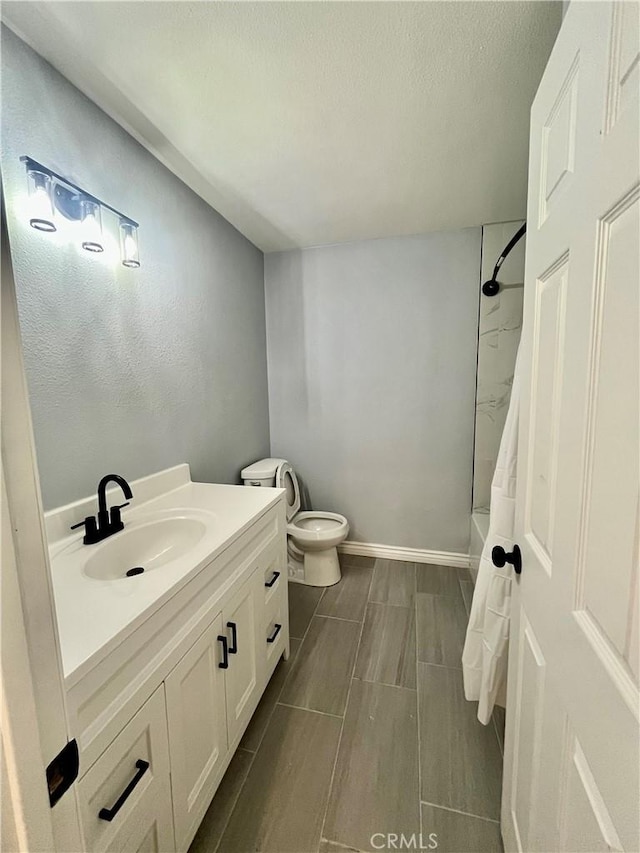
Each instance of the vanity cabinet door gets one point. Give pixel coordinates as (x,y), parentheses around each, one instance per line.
(196,715)
(246,674)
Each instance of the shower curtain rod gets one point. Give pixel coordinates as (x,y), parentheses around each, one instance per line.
(492,286)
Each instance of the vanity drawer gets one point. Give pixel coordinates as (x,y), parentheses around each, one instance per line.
(275,639)
(126,794)
(275,575)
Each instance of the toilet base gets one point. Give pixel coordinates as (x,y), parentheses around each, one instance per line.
(317,568)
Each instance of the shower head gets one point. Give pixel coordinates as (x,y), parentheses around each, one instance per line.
(490,287)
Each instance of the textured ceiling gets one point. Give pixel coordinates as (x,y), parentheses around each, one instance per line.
(310,123)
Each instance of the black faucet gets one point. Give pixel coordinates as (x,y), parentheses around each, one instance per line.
(108,521)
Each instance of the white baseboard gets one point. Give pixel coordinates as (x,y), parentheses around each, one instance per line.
(410,555)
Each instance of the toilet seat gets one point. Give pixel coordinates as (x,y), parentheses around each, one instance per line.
(286,479)
(316,526)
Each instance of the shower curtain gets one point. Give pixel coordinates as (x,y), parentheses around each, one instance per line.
(484,659)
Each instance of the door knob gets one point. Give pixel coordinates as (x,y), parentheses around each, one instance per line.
(499,557)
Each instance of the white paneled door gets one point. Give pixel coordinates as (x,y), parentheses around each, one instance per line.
(572,750)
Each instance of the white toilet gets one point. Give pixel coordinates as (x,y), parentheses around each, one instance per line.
(312,536)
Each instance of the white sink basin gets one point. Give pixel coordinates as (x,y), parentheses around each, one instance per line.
(144,545)
(175,530)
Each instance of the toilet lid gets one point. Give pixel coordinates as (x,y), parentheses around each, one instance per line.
(286,479)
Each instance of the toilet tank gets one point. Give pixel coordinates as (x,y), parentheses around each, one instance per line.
(262,473)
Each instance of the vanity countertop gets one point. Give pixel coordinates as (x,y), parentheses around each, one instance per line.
(95,614)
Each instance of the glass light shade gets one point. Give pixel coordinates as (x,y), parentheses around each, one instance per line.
(91,226)
(129,244)
(41,211)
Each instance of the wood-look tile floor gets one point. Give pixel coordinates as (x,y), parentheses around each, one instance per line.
(364,733)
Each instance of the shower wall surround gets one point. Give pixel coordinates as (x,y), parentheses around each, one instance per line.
(498,338)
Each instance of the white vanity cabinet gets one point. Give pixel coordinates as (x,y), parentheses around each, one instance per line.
(211,695)
(159,717)
(197,721)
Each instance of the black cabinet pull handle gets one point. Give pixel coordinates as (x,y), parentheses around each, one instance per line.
(109,814)
(224,664)
(499,557)
(274,578)
(272,638)
(233,648)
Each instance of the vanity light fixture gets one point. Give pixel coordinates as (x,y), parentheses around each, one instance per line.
(51,194)
(40,202)
(129,243)
(91,225)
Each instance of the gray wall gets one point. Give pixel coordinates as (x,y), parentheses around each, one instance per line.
(372,362)
(128,371)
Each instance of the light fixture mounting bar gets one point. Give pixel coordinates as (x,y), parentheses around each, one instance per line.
(33,164)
